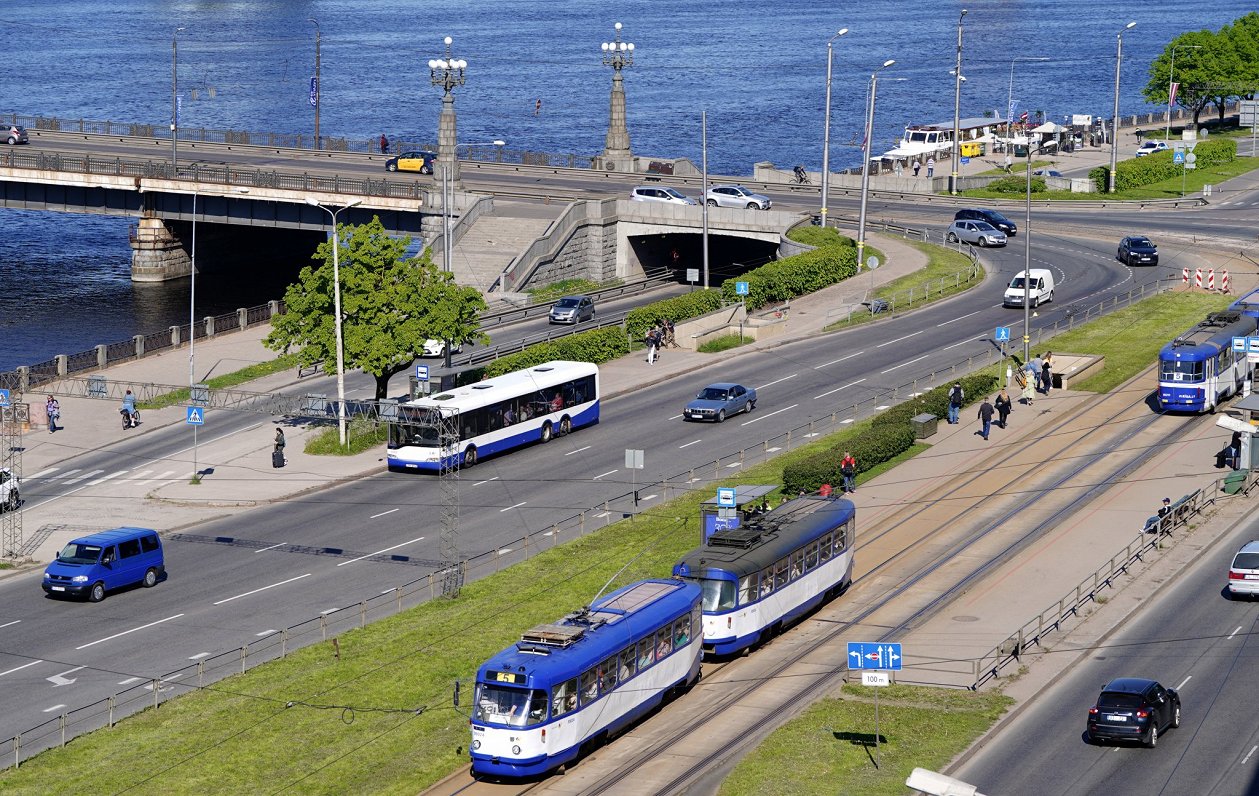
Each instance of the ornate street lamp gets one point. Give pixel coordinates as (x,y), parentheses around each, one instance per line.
(616,148)
(447,73)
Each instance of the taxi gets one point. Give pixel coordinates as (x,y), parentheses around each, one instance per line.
(418,160)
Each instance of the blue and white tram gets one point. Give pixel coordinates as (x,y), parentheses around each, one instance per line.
(584,677)
(772,570)
(1199,369)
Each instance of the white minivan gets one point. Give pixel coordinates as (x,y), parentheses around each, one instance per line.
(1039,288)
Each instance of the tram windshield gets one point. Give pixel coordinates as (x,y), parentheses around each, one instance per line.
(718,594)
(1181,370)
(516,707)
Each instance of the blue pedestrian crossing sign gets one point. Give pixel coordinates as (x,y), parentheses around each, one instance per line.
(1002,335)
(740,288)
(4,397)
(196,416)
(866,655)
(1178,156)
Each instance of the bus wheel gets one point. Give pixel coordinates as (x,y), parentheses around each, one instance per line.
(566,426)
(546,431)
(469,458)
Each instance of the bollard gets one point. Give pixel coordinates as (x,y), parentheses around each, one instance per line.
(362,613)
(284,642)
(243,652)
(1197,278)
(200,672)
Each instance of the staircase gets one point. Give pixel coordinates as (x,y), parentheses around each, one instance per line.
(497,237)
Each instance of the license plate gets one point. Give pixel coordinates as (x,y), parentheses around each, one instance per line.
(1116,718)
(1252,577)
(58,588)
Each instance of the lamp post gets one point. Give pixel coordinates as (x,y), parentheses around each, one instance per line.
(447,73)
(957,105)
(1027,262)
(317,87)
(865,168)
(336,308)
(616,147)
(174,101)
(1114,119)
(1171,73)
(703,127)
(826,130)
(1009,97)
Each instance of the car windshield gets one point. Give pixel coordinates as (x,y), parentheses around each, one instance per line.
(674,194)
(1140,243)
(1246,561)
(997,218)
(738,190)
(76,553)
(1119,701)
(1017,284)
(566,303)
(712,394)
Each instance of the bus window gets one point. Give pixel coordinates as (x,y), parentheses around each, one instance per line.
(564,698)
(747,589)
(825,549)
(629,663)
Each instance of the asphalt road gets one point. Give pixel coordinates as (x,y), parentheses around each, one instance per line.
(1187,636)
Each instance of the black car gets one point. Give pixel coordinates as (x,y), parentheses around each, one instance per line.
(1138,250)
(991,216)
(1133,709)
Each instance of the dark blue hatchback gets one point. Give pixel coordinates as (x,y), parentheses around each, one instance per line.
(1133,709)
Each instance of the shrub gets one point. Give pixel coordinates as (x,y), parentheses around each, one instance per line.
(820,237)
(1017,185)
(870,448)
(1160,166)
(596,345)
(678,308)
(936,401)
(803,273)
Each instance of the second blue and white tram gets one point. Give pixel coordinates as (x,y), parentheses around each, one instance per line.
(584,677)
(1199,369)
(777,567)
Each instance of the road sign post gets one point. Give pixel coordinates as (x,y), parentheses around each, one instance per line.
(866,656)
(195,417)
(634,463)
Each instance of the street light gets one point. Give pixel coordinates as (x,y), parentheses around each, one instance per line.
(336,308)
(865,168)
(318,87)
(616,146)
(1027,225)
(957,105)
(826,130)
(174,101)
(1171,72)
(1114,120)
(447,73)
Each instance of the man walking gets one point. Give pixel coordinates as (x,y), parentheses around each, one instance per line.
(651,346)
(985,417)
(956,398)
(848,469)
(1046,371)
(931,167)
(917,166)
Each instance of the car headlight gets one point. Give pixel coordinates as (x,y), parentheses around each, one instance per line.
(79,579)
(476,745)
(47,576)
(515,750)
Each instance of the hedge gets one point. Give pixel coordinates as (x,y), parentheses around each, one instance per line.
(678,308)
(782,280)
(936,401)
(597,346)
(1016,185)
(1159,166)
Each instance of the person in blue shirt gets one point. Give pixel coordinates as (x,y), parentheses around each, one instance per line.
(130,417)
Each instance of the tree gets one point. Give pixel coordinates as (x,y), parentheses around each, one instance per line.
(389,306)
(1197,72)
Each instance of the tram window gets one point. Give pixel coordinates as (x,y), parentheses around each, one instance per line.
(537,707)
(810,556)
(841,538)
(697,619)
(589,687)
(780,574)
(825,549)
(607,671)
(718,595)
(797,564)
(767,581)
(682,632)
(664,642)
(1181,370)
(629,663)
(646,653)
(747,589)
(564,698)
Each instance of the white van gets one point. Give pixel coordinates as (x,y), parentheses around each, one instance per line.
(1040,288)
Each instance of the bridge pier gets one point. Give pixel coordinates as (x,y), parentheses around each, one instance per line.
(161,249)
(157,253)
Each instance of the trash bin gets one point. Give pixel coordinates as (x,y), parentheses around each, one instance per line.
(924,425)
(1234,482)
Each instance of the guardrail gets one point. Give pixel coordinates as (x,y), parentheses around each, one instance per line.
(989,665)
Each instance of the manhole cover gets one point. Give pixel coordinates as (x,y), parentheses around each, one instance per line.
(965,618)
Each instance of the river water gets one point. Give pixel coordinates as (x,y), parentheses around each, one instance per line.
(757,69)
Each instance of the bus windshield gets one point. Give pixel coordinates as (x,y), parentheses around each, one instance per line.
(516,707)
(1180,370)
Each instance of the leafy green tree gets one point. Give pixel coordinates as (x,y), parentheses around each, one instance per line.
(389,306)
(1243,37)
(1198,71)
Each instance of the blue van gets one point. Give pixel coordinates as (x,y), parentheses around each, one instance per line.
(104,561)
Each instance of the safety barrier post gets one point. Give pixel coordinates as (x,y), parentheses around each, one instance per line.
(362,613)
(244,651)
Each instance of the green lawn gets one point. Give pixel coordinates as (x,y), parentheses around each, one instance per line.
(943,276)
(724,343)
(1167,189)
(829,749)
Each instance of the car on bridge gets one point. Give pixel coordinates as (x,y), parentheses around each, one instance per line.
(418,160)
(650,193)
(736,196)
(718,401)
(1137,250)
(1132,709)
(14,134)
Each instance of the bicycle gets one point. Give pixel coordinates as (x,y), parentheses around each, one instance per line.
(802,176)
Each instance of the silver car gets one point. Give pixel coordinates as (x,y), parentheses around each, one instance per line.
(736,196)
(650,193)
(980,233)
(573,309)
(1243,573)
(13,134)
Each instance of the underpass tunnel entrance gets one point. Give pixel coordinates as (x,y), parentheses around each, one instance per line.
(674,253)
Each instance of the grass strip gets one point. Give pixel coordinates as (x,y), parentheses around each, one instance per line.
(938,280)
(233,379)
(829,748)
(725,342)
(1173,188)
(361,435)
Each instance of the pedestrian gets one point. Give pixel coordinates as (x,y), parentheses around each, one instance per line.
(1166,508)
(848,469)
(537,107)
(897,168)
(669,337)
(917,166)
(1003,405)
(931,167)
(1028,389)
(279,440)
(1009,163)
(53,409)
(1035,368)
(985,417)
(1046,372)
(957,397)
(651,342)
(384,144)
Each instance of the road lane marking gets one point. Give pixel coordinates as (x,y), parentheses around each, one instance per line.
(760,417)
(141,474)
(837,389)
(130,680)
(964,342)
(14,622)
(600,515)
(836,361)
(1246,759)
(960,317)
(264,588)
(897,340)
(772,383)
(125,632)
(79,478)
(54,707)
(20,668)
(272,547)
(675,417)
(579,450)
(68,472)
(43,472)
(381,514)
(156,477)
(1182,682)
(733,465)
(774,449)
(609,472)
(200,655)
(486,481)
(386,550)
(689,444)
(903,364)
(1230,635)
(61,679)
(258,635)
(500,511)
(105,478)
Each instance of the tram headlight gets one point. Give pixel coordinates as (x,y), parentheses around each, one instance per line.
(515,750)
(476,745)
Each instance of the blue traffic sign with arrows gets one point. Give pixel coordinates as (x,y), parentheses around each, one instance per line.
(866,655)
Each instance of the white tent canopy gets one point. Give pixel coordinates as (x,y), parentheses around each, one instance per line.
(1050,127)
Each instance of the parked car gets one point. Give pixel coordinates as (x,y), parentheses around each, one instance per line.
(1150,147)
(1243,573)
(1137,250)
(991,216)
(573,309)
(736,196)
(419,160)
(14,134)
(718,401)
(437,348)
(650,193)
(1133,709)
(9,498)
(980,233)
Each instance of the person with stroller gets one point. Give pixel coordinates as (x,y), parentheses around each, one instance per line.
(130,415)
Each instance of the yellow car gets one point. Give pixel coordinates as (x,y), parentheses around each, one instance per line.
(412,161)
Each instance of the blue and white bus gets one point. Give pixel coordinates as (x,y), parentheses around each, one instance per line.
(1199,369)
(772,570)
(494,416)
(580,680)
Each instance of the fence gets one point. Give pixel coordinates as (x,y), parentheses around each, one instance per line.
(989,665)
